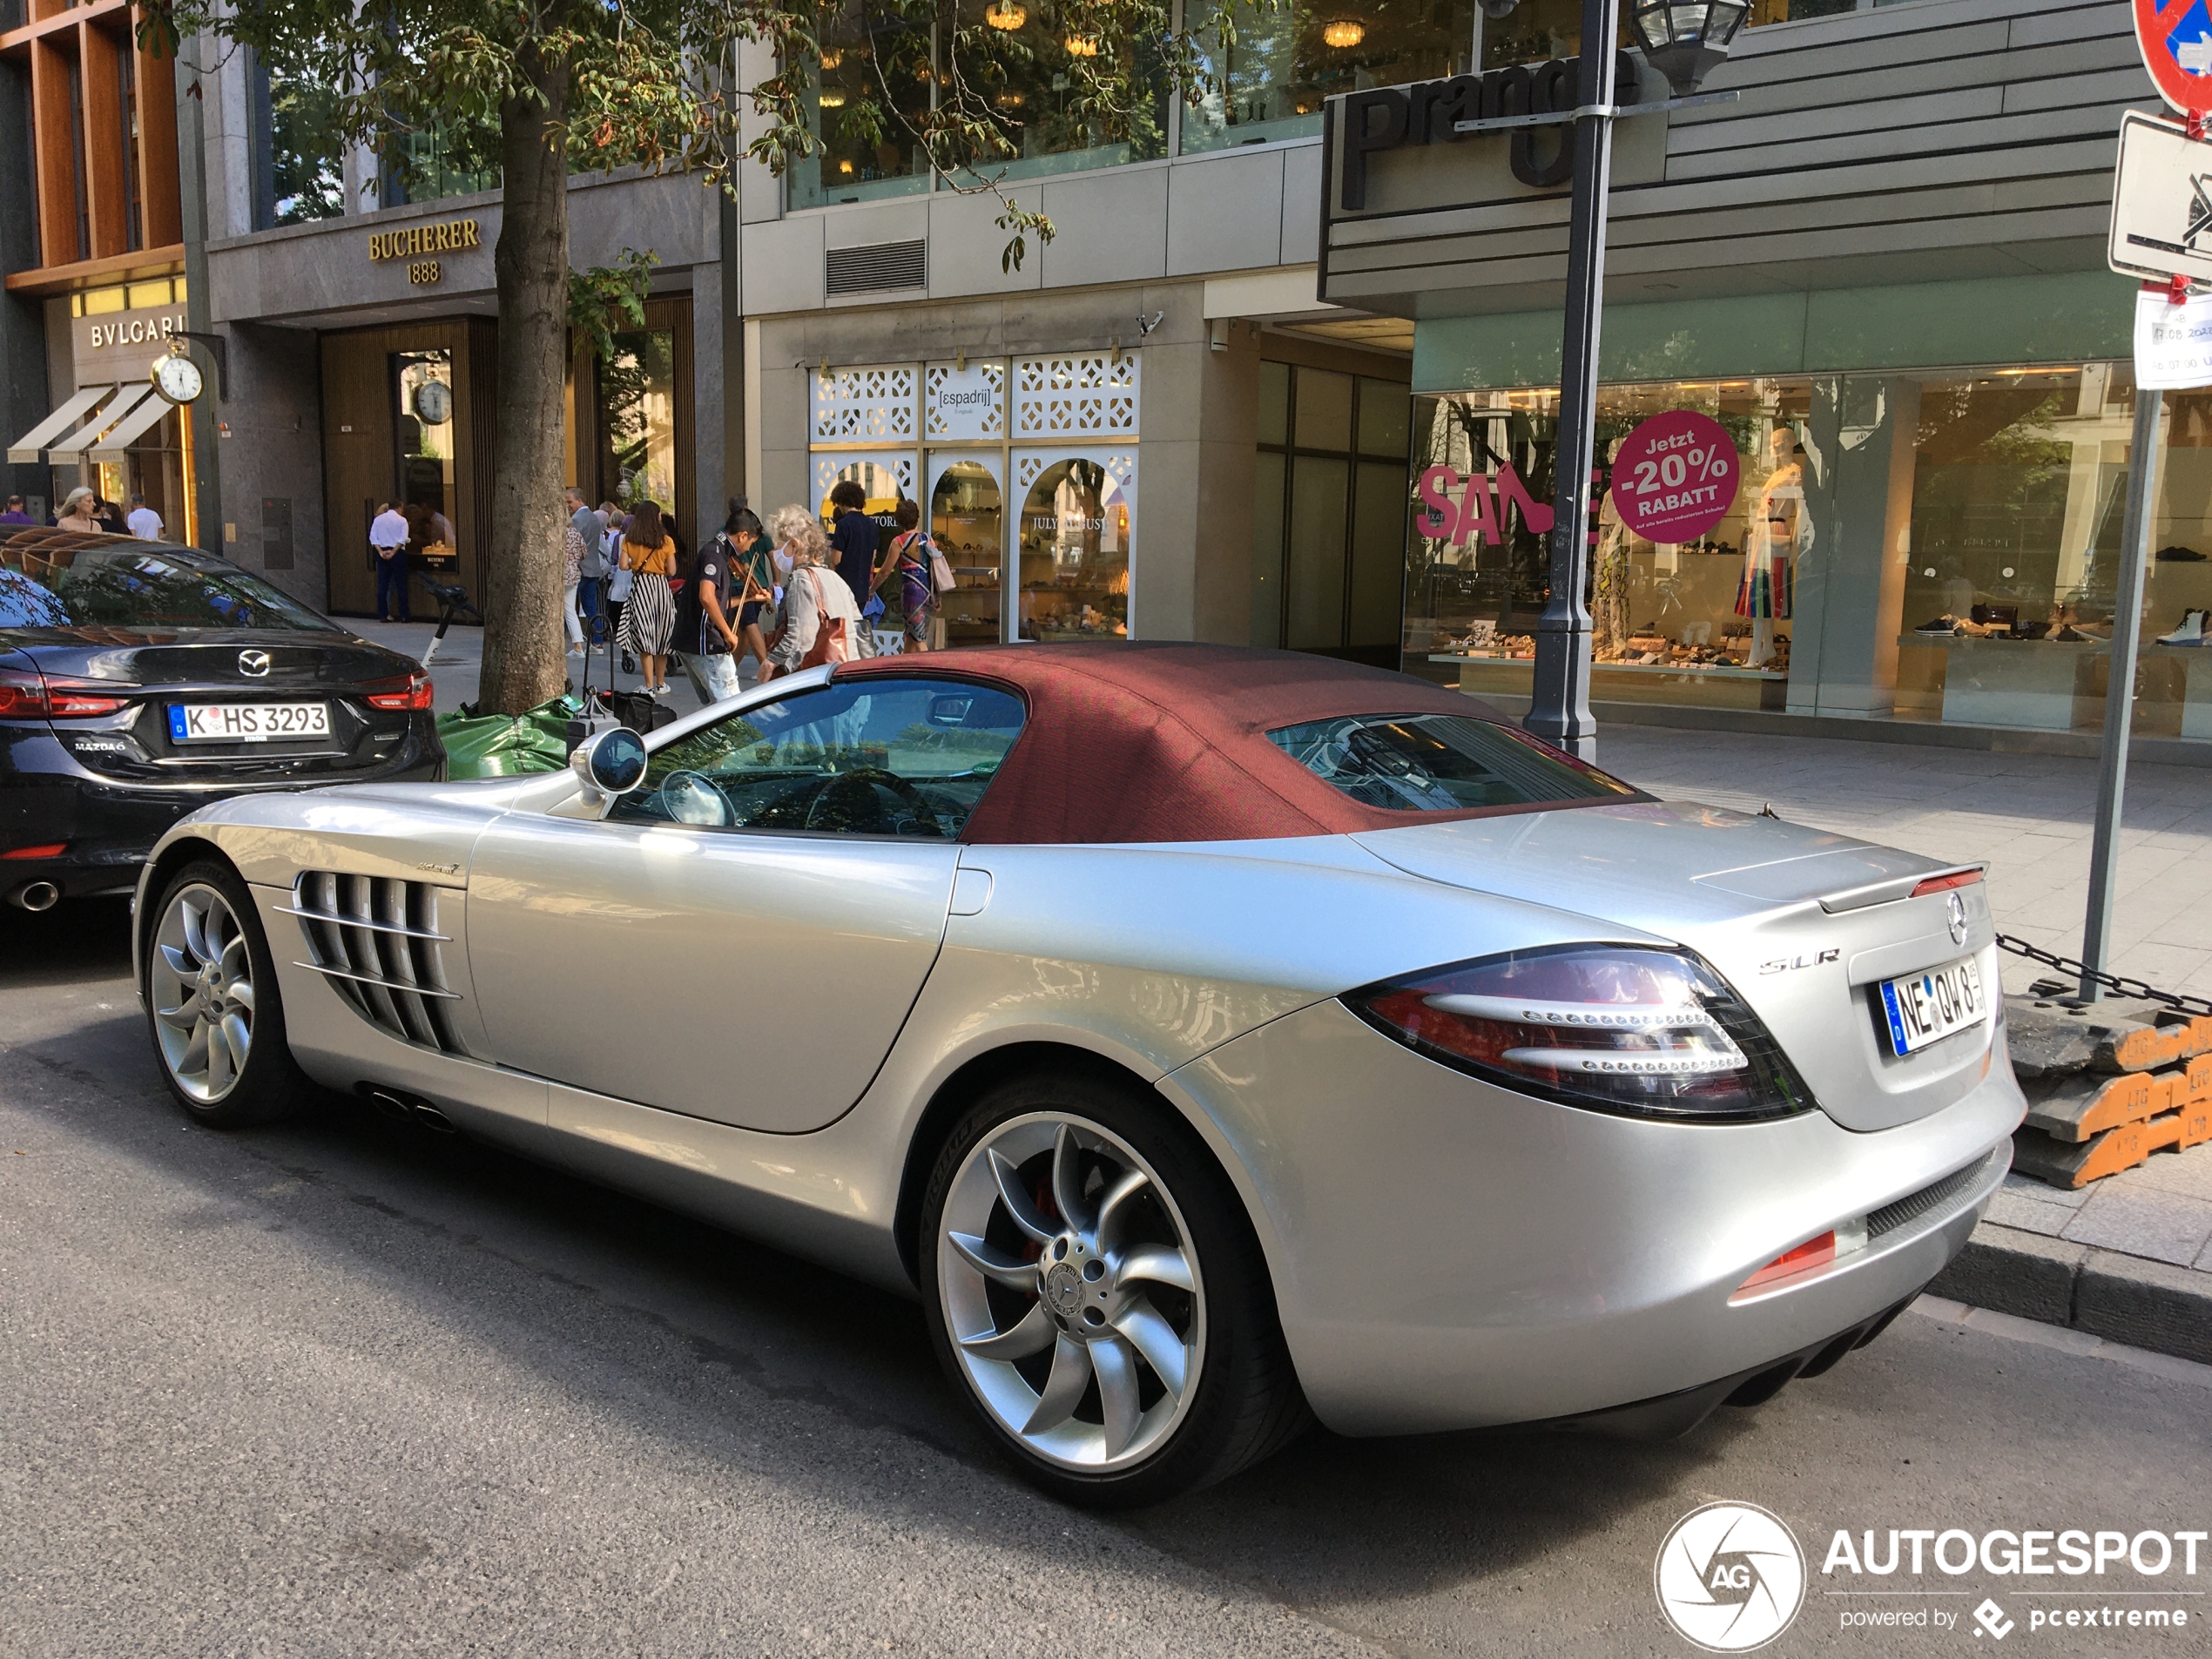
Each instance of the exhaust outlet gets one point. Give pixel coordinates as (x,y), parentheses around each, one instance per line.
(389,1104)
(430,1118)
(36,896)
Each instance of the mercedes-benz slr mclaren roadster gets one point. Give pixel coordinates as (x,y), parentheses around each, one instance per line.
(1215,1039)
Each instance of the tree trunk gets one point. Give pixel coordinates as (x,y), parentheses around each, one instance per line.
(524,644)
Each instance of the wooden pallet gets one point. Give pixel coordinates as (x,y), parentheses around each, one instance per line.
(2107,1086)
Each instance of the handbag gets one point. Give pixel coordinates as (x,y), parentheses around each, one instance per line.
(832,642)
(618,584)
(941,572)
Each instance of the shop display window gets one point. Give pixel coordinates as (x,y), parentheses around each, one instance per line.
(968,522)
(1073,551)
(637,423)
(1021,57)
(422,427)
(1273,65)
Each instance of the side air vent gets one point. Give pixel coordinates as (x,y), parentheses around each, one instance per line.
(878,268)
(377,941)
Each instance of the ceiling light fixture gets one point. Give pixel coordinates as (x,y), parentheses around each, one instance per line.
(1081,46)
(832,100)
(1007,15)
(1343,32)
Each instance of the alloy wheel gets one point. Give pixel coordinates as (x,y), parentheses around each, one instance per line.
(1071,1291)
(201,986)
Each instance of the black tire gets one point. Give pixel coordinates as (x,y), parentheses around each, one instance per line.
(270,1086)
(1247,1403)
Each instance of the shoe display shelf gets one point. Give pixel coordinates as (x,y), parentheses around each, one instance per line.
(1690,684)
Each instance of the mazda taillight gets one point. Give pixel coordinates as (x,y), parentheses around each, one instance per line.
(26,694)
(413,692)
(1621,1028)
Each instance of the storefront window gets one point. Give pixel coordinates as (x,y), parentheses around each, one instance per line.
(968,522)
(1275,64)
(637,424)
(1537,31)
(448,158)
(1939,546)
(306,167)
(874,69)
(423,425)
(1073,552)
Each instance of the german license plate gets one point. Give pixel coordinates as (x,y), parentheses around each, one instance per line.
(1927,1007)
(246,722)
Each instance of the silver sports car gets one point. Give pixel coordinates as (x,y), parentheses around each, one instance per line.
(1215,1039)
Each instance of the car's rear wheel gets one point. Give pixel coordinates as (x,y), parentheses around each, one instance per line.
(212,1003)
(1093,1286)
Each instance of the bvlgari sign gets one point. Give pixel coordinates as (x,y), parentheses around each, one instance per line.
(122,345)
(1388,117)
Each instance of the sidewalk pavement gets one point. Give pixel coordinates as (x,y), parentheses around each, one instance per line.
(2129,1258)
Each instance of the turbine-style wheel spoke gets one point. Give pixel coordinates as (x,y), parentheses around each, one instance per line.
(1159,1263)
(1034,1334)
(1113,1206)
(1068,1176)
(992,1263)
(239,1038)
(1017,1201)
(194,1057)
(199,981)
(195,922)
(182,1015)
(1117,1285)
(1117,1367)
(1063,1390)
(241,992)
(179,964)
(222,1064)
(1154,1338)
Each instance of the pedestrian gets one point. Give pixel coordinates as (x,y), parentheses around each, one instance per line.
(816,603)
(752,584)
(15,514)
(853,537)
(612,521)
(592,569)
(649,613)
(907,563)
(110,517)
(573,548)
(80,512)
(388,540)
(794,527)
(704,626)
(143,522)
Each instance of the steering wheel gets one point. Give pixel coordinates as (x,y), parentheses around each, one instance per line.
(693,797)
(840,786)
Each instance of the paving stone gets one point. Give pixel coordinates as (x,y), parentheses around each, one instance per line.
(2028,1187)
(2144,1221)
(2014,1272)
(2016,1209)
(2148,1303)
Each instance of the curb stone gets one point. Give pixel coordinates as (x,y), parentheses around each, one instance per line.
(2146,1304)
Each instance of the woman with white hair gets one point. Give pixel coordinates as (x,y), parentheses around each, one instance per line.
(815,598)
(80,510)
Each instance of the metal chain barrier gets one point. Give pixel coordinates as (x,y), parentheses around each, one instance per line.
(2119,982)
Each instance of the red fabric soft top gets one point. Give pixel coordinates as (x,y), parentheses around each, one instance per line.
(1165,742)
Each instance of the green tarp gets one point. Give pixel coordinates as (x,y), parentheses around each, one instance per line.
(501,745)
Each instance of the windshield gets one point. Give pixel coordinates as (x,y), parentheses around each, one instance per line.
(125,584)
(1439,763)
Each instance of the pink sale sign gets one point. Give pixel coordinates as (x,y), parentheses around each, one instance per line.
(1675,476)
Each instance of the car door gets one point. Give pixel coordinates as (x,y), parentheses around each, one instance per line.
(741,938)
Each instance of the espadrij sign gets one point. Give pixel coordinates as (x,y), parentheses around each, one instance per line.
(1389,118)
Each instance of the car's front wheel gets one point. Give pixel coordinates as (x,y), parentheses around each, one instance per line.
(211,998)
(1094,1285)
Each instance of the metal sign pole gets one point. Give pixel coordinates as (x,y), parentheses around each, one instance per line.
(2120,686)
(1559,711)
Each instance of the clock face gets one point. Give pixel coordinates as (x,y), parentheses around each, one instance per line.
(178,378)
(433,401)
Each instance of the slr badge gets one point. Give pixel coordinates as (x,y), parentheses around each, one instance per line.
(255,665)
(1803,958)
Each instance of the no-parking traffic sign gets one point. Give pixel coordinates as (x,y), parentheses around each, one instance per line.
(2177,43)
(2162,201)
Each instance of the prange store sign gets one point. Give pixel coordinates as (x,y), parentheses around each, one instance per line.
(1390,118)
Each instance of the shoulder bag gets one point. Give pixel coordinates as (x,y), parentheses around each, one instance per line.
(832,644)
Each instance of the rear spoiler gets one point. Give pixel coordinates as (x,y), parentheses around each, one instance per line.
(1891,888)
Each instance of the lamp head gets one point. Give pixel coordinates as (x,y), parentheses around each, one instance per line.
(1685,40)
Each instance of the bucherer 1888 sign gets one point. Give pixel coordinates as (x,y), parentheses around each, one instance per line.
(1387,117)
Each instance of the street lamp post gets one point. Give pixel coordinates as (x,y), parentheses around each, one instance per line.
(1683,39)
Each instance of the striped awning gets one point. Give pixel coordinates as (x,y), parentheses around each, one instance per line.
(96,422)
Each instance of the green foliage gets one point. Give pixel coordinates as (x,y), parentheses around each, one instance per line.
(606,299)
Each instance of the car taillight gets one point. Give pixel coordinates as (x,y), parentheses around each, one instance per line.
(1646,1032)
(26,694)
(413,692)
(1945,883)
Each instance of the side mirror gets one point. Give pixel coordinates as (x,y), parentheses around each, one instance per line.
(611,764)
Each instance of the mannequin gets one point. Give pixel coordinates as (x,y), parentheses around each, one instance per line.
(1609,591)
(1777,533)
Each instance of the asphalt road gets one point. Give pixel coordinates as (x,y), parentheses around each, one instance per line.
(350,1387)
